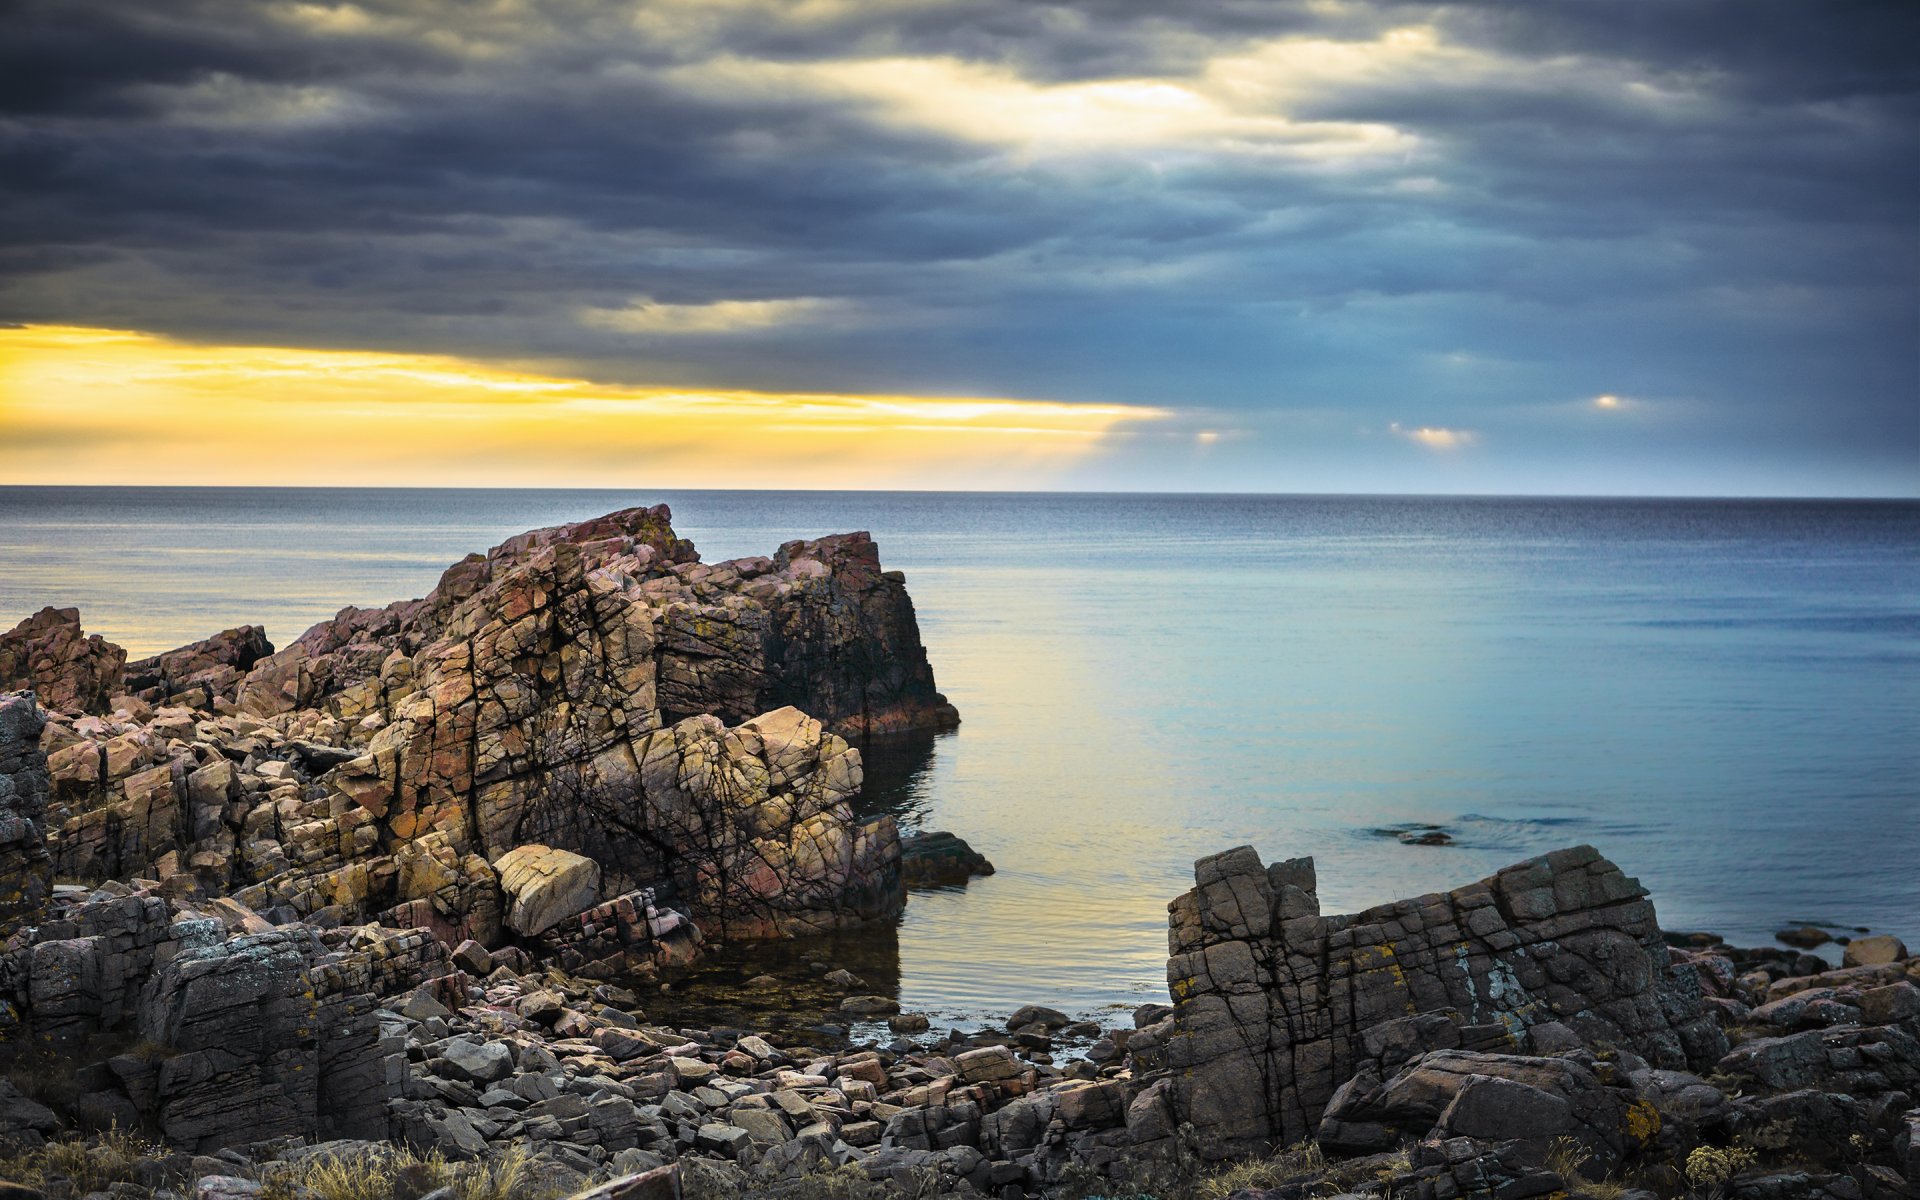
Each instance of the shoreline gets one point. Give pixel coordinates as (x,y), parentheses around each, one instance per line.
(459,880)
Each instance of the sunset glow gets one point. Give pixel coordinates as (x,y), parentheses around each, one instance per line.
(99,406)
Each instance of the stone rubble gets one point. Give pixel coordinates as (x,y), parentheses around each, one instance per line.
(405,883)
(265,1041)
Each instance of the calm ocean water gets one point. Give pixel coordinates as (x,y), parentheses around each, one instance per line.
(1724,696)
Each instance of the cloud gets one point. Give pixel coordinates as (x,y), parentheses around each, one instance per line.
(1241,208)
(1434,438)
(714,317)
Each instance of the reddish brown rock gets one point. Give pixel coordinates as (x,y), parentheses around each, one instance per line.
(203,671)
(49,655)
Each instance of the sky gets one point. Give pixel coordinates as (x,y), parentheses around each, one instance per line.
(1659,247)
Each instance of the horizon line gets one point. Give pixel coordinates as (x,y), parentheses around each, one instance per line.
(1885,497)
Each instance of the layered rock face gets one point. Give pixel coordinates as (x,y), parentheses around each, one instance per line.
(26,869)
(819,626)
(49,655)
(1276,1006)
(245,1030)
(589,688)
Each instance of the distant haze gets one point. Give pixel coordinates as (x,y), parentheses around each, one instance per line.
(1644,247)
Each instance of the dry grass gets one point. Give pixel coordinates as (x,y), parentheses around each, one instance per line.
(510,1175)
(88,1165)
(1289,1166)
(1567,1158)
(507,1176)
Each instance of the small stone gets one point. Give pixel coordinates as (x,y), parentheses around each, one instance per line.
(869,1006)
(422,1004)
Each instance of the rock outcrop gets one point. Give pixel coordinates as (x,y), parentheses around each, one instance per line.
(200,673)
(49,655)
(819,625)
(26,869)
(1276,1006)
(592,688)
(242,1031)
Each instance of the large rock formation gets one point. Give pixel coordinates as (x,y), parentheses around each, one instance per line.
(819,626)
(49,655)
(590,688)
(1276,1006)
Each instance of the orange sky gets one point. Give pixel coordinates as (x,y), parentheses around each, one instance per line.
(87,406)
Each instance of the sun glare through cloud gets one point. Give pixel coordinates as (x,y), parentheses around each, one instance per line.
(158,410)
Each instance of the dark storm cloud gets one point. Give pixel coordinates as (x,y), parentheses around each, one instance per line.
(1711,204)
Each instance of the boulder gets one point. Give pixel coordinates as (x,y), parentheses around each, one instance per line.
(476,1062)
(1873,950)
(940,859)
(544,886)
(1495,1098)
(1277,1005)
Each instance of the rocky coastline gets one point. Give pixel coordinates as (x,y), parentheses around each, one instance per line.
(384,913)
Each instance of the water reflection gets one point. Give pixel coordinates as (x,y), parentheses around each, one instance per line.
(899,776)
(728,988)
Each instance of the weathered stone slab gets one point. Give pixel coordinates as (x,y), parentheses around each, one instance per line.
(1276,1006)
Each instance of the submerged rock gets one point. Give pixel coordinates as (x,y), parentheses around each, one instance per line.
(940,859)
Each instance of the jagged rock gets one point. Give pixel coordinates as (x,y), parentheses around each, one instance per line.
(23,1121)
(570,689)
(256,1035)
(26,869)
(544,885)
(940,859)
(1853,1059)
(1459,1168)
(213,667)
(49,655)
(1274,1002)
(630,936)
(818,625)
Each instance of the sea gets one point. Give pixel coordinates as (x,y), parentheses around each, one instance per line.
(1723,696)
